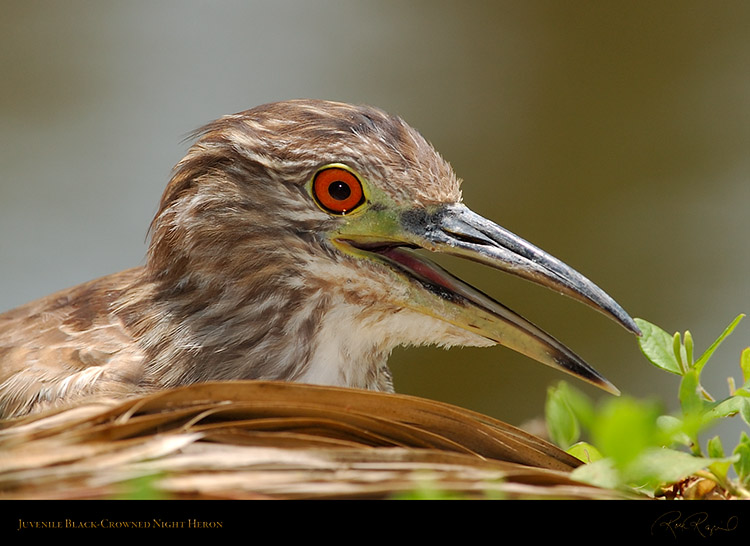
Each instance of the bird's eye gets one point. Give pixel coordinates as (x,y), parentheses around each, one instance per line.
(337,190)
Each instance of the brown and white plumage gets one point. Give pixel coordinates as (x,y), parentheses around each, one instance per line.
(248,277)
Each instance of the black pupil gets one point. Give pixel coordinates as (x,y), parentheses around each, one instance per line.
(339,190)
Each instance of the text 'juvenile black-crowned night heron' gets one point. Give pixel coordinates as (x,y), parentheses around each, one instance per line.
(282,250)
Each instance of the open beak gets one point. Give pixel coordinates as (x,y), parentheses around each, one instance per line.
(456,230)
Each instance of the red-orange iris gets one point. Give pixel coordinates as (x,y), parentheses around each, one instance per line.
(337,190)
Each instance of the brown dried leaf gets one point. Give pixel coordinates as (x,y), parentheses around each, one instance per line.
(250,439)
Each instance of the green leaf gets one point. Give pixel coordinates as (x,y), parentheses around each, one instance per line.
(716,451)
(679,352)
(728,330)
(562,425)
(730,406)
(745,410)
(657,346)
(688,349)
(602,473)
(578,402)
(745,366)
(585,452)
(656,466)
(690,395)
(673,430)
(653,467)
(624,428)
(742,465)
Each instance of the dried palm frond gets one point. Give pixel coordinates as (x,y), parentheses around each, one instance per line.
(247,439)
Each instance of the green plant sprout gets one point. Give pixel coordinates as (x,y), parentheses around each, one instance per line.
(634,446)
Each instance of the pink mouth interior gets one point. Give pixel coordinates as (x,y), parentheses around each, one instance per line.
(424,269)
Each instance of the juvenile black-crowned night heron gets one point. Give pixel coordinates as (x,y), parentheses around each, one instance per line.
(282,250)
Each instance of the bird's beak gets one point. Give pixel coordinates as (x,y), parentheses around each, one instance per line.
(458,231)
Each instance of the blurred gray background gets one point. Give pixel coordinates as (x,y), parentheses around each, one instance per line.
(615,135)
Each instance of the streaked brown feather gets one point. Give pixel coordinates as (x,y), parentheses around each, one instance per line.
(69,345)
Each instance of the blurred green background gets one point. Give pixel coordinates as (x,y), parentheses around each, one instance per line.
(615,135)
